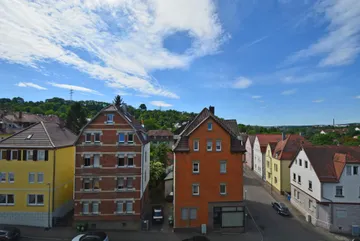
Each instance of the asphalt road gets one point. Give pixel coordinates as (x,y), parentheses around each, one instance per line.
(273,226)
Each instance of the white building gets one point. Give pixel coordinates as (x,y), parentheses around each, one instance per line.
(249,151)
(325,186)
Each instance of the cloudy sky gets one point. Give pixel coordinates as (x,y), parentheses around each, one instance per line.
(266,62)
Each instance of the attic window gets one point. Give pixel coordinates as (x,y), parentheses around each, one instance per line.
(29,137)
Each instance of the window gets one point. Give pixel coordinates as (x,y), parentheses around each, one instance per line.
(86,184)
(269,175)
(14,155)
(298,195)
(222,166)
(96,184)
(184,214)
(196,145)
(130,161)
(35,199)
(306,164)
(276,167)
(120,183)
(339,191)
(275,180)
(41,155)
(195,189)
(222,188)
(310,185)
(209,145)
(129,206)
(85,207)
(299,179)
(121,137)
(310,204)
(348,170)
(40,177)
(300,162)
(294,176)
(119,207)
(196,167)
(97,137)
(96,160)
(95,207)
(218,145)
(110,118)
(355,170)
(29,155)
(121,161)
(2,176)
(87,161)
(88,137)
(130,138)
(31,177)
(294,192)
(193,213)
(129,183)
(7,199)
(209,126)
(11,177)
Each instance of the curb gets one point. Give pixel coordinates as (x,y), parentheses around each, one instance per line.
(44,238)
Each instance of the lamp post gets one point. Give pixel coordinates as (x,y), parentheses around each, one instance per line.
(49,194)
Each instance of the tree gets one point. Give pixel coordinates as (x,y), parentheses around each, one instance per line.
(118,101)
(76,118)
(322,139)
(159,153)
(157,172)
(143,107)
(151,124)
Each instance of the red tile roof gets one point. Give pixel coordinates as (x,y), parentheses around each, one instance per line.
(160,133)
(265,139)
(288,148)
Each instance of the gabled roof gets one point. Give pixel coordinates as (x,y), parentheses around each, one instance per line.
(328,162)
(288,148)
(134,123)
(40,135)
(265,139)
(229,126)
(25,117)
(160,133)
(252,140)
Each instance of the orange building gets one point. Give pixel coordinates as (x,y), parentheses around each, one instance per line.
(208,174)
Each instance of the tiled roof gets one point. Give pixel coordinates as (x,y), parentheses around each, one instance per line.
(252,140)
(160,133)
(40,135)
(229,126)
(288,148)
(265,139)
(25,117)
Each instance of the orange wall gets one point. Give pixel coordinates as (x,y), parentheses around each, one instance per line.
(209,177)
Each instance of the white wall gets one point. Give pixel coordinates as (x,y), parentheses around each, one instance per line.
(307,174)
(258,168)
(248,154)
(351,187)
(145,162)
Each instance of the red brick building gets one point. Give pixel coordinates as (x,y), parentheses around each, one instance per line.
(208,174)
(112,171)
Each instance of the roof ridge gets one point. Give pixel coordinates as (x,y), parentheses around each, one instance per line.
(47,133)
(189,124)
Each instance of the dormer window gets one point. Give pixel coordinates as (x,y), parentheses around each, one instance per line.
(210,126)
(110,118)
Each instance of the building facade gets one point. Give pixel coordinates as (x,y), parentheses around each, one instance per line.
(249,145)
(208,175)
(112,171)
(161,136)
(36,175)
(328,197)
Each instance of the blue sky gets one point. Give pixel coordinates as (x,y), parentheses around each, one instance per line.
(264,62)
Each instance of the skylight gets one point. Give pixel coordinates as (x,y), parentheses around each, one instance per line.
(29,137)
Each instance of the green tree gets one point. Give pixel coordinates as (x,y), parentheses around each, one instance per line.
(151,124)
(159,153)
(76,118)
(322,139)
(143,107)
(118,101)
(157,171)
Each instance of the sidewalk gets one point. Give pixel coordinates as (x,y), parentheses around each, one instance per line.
(294,212)
(56,233)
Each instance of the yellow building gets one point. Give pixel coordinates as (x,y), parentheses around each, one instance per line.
(278,159)
(37,175)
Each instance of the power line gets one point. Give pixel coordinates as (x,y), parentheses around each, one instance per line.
(71,94)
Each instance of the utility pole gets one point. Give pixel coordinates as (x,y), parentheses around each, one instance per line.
(71,94)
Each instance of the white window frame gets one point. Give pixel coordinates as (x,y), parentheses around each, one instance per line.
(133,161)
(132,141)
(38,155)
(294,177)
(184,213)
(198,145)
(3,177)
(92,207)
(97,141)
(123,134)
(120,204)
(198,167)
(207,145)
(96,164)
(355,167)
(348,170)
(12,155)
(85,204)
(342,191)
(310,204)
(299,179)
(87,156)
(13,177)
(223,185)
(36,200)
(209,126)
(39,174)
(217,142)
(28,156)
(33,175)
(192,213)
(86,139)
(198,189)
(310,188)
(221,164)
(7,200)
(123,182)
(110,120)
(129,180)
(132,207)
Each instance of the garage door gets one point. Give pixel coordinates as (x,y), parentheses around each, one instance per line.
(232,219)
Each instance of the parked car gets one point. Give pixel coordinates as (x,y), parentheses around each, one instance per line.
(92,236)
(9,233)
(280,208)
(158,214)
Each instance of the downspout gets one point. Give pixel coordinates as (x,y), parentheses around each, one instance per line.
(174,191)
(53,188)
(331,205)
(142,178)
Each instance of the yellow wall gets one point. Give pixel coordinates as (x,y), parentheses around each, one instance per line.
(268,161)
(21,186)
(285,176)
(64,175)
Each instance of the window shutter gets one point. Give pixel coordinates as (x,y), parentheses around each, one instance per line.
(19,155)
(8,155)
(46,155)
(25,155)
(34,155)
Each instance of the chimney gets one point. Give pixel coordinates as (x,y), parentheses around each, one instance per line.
(20,114)
(212,109)
(283,136)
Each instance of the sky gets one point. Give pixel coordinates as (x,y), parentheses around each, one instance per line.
(262,62)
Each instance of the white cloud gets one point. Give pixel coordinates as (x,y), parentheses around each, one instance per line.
(256,96)
(318,101)
(142,95)
(241,83)
(29,84)
(261,101)
(341,44)
(289,92)
(125,37)
(357,97)
(160,103)
(75,88)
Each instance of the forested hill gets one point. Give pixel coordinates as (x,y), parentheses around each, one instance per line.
(153,119)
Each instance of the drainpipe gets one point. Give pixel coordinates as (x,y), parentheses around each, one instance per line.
(331,205)
(174,191)
(53,183)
